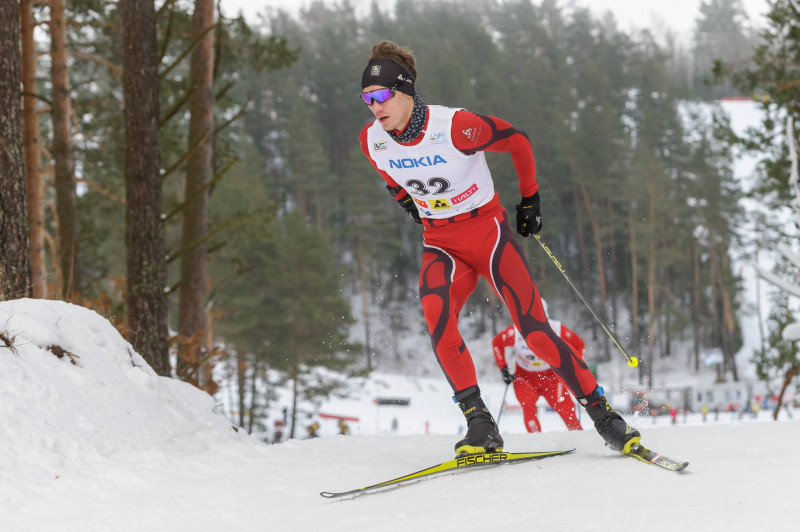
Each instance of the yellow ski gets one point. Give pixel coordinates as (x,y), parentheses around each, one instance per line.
(459,463)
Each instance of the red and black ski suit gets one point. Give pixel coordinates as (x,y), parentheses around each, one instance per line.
(459,248)
(534,378)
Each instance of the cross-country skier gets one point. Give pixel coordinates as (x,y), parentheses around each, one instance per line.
(432,160)
(533,377)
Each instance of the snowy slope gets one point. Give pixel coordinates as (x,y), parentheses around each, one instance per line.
(106,445)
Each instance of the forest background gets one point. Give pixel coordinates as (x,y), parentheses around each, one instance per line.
(197,179)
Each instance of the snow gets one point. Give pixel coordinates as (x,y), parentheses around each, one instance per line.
(789,254)
(786,286)
(792,332)
(107,445)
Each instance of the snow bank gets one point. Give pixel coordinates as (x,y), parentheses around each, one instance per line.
(99,400)
(90,439)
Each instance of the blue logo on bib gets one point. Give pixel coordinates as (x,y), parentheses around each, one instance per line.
(415,163)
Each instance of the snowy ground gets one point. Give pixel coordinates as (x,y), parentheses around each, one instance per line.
(106,445)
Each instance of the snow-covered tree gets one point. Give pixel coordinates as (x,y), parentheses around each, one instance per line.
(773,81)
(783,353)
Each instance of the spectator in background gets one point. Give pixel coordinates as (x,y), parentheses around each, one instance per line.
(277,436)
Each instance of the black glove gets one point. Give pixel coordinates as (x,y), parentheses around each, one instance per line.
(508,377)
(529,217)
(407,202)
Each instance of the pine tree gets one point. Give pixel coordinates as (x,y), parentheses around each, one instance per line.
(192,324)
(33,170)
(721,34)
(63,160)
(291,314)
(144,229)
(773,81)
(15,271)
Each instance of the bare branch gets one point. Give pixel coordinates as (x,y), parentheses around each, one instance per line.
(175,108)
(208,185)
(231,120)
(38,97)
(230,224)
(218,96)
(180,161)
(115,69)
(186,52)
(100,190)
(168,31)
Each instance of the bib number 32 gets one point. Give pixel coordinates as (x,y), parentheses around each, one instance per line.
(440,184)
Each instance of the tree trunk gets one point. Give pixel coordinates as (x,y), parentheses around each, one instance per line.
(730,328)
(651,291)
(362,287)
(15,270)
(581,238)
(651,314)
(611,253)
(728,319)
(206,375)
(144,230)
(696,303)
(295,376)
(712,282)
(251,411)
(666,299)
(199,172)
(762,344)
(634,283)
(34,186)
(241,381)
(791,373)
(601,273)
(63,162)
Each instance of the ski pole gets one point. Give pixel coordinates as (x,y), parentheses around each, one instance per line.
(632,361)
(503,404)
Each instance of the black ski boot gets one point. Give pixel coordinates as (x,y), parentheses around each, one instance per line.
(482,432)
(612,428)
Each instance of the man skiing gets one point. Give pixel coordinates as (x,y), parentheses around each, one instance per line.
(431,158)
(533,377)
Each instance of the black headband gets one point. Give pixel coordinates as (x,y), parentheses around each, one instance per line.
(387,73)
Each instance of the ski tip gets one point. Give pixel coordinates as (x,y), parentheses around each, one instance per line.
(331,495)
(343,495)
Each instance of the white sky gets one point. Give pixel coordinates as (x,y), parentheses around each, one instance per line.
(655,14)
